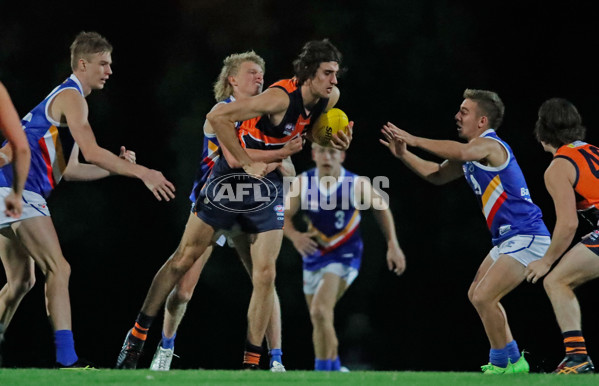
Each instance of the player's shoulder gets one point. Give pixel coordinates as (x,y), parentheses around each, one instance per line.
(289,85)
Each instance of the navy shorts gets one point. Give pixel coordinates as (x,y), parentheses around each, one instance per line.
(231,196)
(592,241)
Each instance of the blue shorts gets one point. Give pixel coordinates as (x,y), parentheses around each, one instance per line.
(231,196)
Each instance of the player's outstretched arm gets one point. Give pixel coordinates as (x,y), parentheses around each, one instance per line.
(475,150)
(77,171)
(73,107)
(20,154)
(432,172)
(559,179)
(379,203)
(302,241)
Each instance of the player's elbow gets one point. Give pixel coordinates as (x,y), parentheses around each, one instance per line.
(214,118)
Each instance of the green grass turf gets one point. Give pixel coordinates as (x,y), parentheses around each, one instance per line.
(222,377)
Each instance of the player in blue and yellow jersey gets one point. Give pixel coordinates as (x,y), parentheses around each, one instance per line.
(12,204)
(244,190)
(56,129)
(573,182)
(241,77)
(330,197)
(518,233)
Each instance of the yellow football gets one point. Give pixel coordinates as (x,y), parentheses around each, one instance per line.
(328,125)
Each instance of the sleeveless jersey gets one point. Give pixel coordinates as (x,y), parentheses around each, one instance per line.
(504,196)
(51,144)
(585,158)
(210,154)
(260,133)
(331,213)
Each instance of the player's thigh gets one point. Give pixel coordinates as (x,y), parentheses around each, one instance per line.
(503,276)
(480,273)
(576,267)
(197,236)
(38,238)
(329,290)
(189,281)
(18,266)
(265,249)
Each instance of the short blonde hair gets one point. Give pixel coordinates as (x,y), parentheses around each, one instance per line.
(86,44)
(222,88)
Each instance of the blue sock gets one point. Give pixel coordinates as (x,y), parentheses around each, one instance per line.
(65,347)
(322,364)
(498,357)
(336,364)
(275,355)
(168,342)
(513,352)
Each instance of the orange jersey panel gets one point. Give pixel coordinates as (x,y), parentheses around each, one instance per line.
(585,158)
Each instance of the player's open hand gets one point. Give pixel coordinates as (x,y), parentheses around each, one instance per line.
(14,205)
(536,270)
(396,260)
(256,169)
(158,185)
(127,155)
(342,140)
(304,243)
(396,146)
(403,135)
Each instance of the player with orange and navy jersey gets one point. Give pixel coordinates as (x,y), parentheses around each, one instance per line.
(572,179)
(517,229)
(246,190)
(330,197)
(241,76)
(56,129)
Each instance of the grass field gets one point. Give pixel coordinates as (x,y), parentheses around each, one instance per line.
(222,377)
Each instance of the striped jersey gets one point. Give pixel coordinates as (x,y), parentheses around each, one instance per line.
(51,144)
(504,196)
(330,210)
(210,154)
(260,133)
(585,159)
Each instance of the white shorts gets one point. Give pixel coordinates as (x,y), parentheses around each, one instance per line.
(523,248)
(34,205)
(313,278)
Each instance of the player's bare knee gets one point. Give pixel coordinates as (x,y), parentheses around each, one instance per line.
(181,262)
(264,276)
(182,295)
(552,283)
(480,299)
(59,268)
(319,314)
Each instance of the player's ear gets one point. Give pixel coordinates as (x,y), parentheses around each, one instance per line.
(231,80)
(342,156)
(483,120)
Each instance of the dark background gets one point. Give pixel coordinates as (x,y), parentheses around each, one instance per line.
(408,62)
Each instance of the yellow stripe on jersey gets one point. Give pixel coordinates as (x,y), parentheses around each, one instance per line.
(492,193)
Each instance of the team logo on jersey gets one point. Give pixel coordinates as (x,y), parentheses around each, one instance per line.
(288,129)
(241,193)
(504,229)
